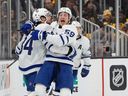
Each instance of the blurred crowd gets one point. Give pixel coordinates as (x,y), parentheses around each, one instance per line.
(92,10)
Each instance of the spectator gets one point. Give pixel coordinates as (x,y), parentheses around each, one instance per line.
(23,5)
(125,7)
(110,4)
(36,3)
(73,7)
(90,11)
(122,20)
(4,5)
(107,17)
(50,5)
(100,45)
(98,41)
(126,27)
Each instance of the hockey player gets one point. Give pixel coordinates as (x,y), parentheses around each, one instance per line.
(31,53)
(49,18)
(39,18)
(82,47)
(57,67)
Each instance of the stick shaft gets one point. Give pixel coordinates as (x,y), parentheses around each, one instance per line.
(12,63)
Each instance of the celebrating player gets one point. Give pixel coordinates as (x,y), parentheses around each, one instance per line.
(31,53)
(82,47)
(57,67)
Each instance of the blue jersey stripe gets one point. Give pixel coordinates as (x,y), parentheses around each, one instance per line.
(85,57)
(67,39)
(50,46)
(64,58)
(30,67)
(45,43)
(73,54)
(62,39)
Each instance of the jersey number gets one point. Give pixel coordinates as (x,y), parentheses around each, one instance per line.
(69,32)
(28,45)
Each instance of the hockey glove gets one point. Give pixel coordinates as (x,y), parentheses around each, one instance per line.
(39,35)
(85,70)
(27,27)
(35,35)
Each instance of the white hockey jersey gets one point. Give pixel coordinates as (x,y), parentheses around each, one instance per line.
(82,47)
(63,37)
(50,44)
(31,54)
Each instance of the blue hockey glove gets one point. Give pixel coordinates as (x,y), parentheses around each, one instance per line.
(42,35)
(35,35)
(27,27)
(39,35)
(85,70)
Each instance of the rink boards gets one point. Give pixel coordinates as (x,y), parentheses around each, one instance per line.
(107,77)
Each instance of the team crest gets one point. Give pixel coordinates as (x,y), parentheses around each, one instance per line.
(118,78)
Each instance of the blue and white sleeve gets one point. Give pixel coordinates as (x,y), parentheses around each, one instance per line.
(19,46)
(69,36)
(52,48)
(58,40)
(86,53)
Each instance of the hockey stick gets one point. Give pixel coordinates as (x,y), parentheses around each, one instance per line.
(12,63)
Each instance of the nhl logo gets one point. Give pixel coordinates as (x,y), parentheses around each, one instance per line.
(118,77)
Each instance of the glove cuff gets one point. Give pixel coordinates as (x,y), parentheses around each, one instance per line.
(42,35)
(30,23)
(87,66)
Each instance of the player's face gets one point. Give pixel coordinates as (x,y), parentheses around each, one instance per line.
(79,30)
(43,19)
(49,19)
(63,18)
